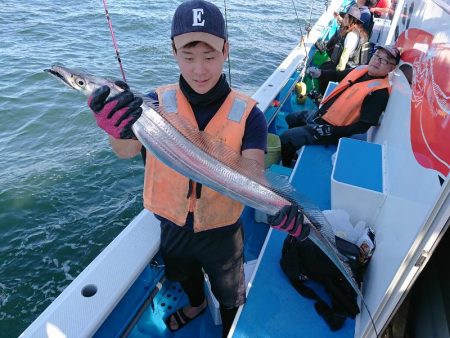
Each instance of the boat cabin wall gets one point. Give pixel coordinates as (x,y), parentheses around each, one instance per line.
(415,134)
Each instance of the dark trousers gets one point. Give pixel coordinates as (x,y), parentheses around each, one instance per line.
(299,135)
(219,253)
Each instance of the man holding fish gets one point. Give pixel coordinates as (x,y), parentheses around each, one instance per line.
(200,228)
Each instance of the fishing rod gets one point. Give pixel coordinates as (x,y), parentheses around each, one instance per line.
(300,68)
(114,39)
(148,301)
(303,64)
(302,41)
(226,29)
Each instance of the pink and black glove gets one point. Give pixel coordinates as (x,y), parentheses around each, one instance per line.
(290,219)
(117,114)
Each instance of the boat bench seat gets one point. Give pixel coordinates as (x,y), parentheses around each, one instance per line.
(273,306)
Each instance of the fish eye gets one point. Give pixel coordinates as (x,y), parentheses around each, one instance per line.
(80,82)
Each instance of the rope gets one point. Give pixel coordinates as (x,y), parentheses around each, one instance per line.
(309,26)
(114,39)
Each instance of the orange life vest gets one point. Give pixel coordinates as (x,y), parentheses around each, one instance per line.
(173,196)
(347,107)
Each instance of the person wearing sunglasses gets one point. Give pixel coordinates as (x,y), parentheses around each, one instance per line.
(351,108)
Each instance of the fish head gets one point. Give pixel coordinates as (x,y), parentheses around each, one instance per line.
(79,80)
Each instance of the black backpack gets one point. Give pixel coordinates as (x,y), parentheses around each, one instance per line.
(303,260)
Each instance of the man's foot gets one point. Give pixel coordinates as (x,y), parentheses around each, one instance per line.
(181,317)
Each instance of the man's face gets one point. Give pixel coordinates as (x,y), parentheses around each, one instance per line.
(201,65)
(381,64)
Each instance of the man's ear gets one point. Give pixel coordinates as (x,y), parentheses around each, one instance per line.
(174,49)
(226,49)
(392,67)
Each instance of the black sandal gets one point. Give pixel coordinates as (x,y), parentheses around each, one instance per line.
(180,316)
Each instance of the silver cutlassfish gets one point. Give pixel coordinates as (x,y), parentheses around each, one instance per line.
(197,155)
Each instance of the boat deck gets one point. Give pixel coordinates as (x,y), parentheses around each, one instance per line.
(171,296)
(272,300)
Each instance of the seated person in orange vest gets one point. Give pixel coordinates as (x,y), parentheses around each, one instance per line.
(351,108)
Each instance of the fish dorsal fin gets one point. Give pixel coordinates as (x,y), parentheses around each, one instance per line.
(222,152)
(215,147)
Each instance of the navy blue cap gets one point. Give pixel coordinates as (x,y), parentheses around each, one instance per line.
(198,20)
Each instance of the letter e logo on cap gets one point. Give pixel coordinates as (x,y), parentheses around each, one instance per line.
(197,17)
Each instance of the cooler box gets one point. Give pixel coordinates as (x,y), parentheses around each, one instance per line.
(357,180)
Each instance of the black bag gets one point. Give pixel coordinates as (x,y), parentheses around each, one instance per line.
(303,260)
(335,47)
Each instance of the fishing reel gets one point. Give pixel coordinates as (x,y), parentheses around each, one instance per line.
(321,46)
(315,96)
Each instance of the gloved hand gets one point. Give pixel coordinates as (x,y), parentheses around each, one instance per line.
(321,45)
(314,72)
(117,114)
(291,220)
(320,130)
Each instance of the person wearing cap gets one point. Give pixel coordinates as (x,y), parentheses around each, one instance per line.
(200,228)
(345,46)
(351,108)
(365,16)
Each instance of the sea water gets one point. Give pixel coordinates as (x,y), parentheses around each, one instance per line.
(64,195)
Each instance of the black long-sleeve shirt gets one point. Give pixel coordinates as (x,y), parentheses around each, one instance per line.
(371,109)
